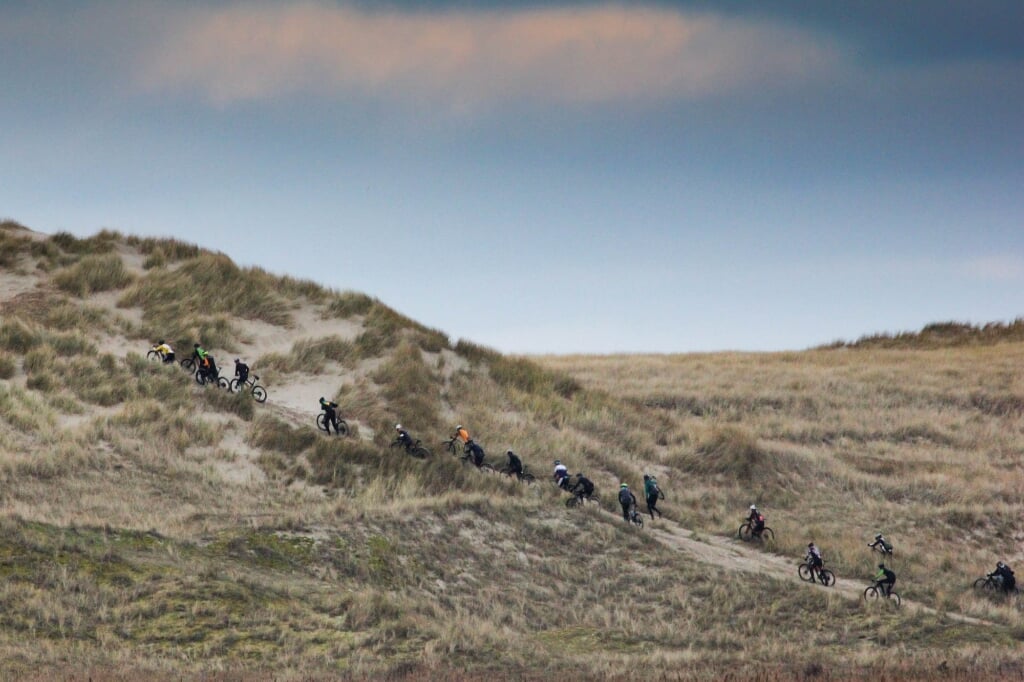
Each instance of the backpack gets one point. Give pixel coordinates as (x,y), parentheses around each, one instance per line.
(889,575)
(625,497)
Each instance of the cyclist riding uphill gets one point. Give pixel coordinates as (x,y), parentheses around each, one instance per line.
(463,435)
(515,465)
(756,520)
(584,487)
(165,350)
(330,414)
(627,499)
(242,372)
(885,578)
(882,543)
(561,474)
(403,437)
(475,453)
(1009,582)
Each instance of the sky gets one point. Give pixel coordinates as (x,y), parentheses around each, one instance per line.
(548,177)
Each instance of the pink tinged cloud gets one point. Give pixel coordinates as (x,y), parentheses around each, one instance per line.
(475,59)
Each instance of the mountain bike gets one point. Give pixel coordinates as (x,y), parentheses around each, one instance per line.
(258,392)
(155,356)
(635,517)
(454,446)
(880,549)
(579,500)
(525,477)
(812,575)
(188,364)
(415,449)
(483,466)
(992,583)
(321,420)
(203,378)
(746,533)
(875,591)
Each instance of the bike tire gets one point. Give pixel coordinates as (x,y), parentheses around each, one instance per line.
(573,502)
(768,535)
(486,468)
(153,356)
(260,394)
(200,378)
(895,597)
(805,573)
(871,595)
(745,533)
(320,423)
(984,584)
(223,383)
(235,386)
(826,577)
(419,452)
(188,364)
(638,521)
(343,429)
(528,478)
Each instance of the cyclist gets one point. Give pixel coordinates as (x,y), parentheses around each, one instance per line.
(242,373)
(561,474)
(474,452)
(885,578)
(756,520)
(583,488)
(515,465)
(814,559)
(330,415)
(165,350)
(627,499)
(463,435)
(403,437)
(881,542)
(198,353)
(652,492)
(1007,579)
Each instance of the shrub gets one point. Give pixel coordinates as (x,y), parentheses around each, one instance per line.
(412,390)
(240,404)
(7,366)
(12,246)
(475,353)
(18,337)
(93,274)
(273,434)
(310,355)
(349,304)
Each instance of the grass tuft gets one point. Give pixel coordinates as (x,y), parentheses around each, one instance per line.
(92,274)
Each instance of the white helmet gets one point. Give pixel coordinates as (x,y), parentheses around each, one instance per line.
(398,427)
(753,507)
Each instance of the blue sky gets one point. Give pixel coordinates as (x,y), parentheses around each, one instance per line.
(548,176)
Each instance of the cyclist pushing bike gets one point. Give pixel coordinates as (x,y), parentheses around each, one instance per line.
(330,414)
(165,351)
(242,372)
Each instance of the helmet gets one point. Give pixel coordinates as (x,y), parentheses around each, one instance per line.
(459,427)
(1000,564)
(509,452)
(398,427)
(753,507)
(878,537)
(623,486)
(557,462)
(647,477)
(161,342)
(810,544)
(881,565)
(195,345)
(237,361)
(579,475)
(322,399)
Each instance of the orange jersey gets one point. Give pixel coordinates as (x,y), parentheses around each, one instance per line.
(463,435)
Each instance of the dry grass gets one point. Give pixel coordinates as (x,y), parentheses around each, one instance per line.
(140,543)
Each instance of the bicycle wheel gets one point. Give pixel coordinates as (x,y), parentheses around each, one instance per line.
(153,356)
(804,571)
(234,386)
(871,594)
(744,533)
(527,478)
(343,429)
(637,520)
(260,394)
(420,452)
(320,423)
(200,378)
(486,468)
(573,501)
(896,598)
(826,577)
(188,364)
(767,535)
(984,584)
(223,383)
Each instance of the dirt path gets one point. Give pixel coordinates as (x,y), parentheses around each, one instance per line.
(732,554)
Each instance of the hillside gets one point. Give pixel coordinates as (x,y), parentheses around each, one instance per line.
(154,528)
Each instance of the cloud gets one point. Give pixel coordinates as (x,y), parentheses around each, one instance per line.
(1001,268)
(471,59)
